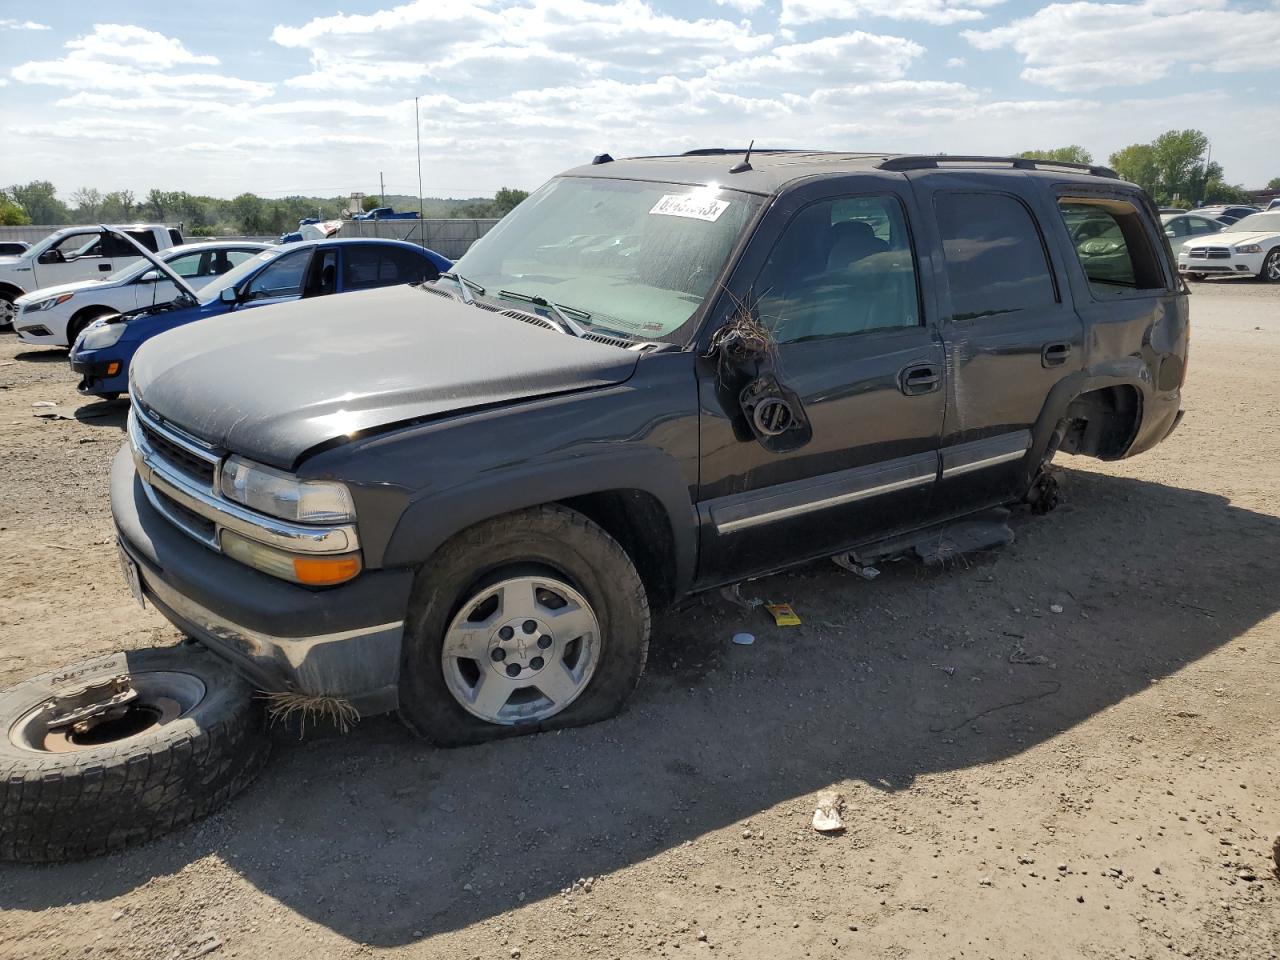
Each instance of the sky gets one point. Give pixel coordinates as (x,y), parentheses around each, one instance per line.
(288,98)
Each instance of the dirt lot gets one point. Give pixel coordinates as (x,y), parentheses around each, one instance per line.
(1103,781)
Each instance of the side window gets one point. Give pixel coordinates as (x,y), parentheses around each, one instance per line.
(145,237)
(995,258)
(1200,226)
(325,274)
(186,266)
(374,265)
(841,267)
(74,247)
(1112,244)
(282,277)
(234,258)
(1178,227)
(175,237)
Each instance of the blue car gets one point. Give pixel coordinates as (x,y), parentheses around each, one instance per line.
(313,268)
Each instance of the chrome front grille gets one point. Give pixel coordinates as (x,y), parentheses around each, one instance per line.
(181,477)
(179,452)
(1208,253)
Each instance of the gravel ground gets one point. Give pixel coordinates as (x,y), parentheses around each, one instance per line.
(1064,749)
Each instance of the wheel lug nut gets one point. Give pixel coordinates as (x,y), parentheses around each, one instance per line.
(513,669)
(530,626)
(544,641)
(536,663)
(506,633)
(498,654)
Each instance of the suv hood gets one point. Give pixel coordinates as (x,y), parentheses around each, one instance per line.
(273,382)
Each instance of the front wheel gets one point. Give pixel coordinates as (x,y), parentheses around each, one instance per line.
(121,749)
(1270,272)
(8,312)
(532,621)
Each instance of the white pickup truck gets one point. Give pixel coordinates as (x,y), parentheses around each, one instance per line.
(75,253)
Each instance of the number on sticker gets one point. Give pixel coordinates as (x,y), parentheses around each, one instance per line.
(695,206)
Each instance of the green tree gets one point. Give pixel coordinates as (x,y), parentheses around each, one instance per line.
(369,203)
(88,203)
(118,205)
(507,199)
(1137,164)
(1177,156)
(1070,154)
(11,214)
(1216,191)
(248,213)
(1273,183)
(39,199)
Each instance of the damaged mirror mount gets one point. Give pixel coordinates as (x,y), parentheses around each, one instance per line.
(761,405)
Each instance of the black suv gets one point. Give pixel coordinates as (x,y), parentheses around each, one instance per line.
(460,500)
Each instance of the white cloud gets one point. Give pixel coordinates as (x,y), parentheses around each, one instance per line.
(22,25)
(534,40)
(956,62)
(103,130)
(829,61)
(1091,46)
(746,6)
(928,11)
(132,63)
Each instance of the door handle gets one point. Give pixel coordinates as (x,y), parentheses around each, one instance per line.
(1054,354)
(918,379)
(104,268)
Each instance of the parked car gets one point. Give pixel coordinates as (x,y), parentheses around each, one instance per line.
(1274,204)
(13,248)
(299,271)
(386,213)
(1248,247)
(55,316)
(1228,213)
(76,253)
(1181,227)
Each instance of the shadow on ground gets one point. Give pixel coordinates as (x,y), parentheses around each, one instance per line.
(53,355)
(386,840)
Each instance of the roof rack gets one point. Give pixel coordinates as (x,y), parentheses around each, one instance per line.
(733,151)
(923,162)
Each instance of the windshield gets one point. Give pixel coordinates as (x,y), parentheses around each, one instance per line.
(213,290)
(620,256)
(1255,223)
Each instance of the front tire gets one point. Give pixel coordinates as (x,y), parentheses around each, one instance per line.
(533,621)
(192,738)
(1270,272)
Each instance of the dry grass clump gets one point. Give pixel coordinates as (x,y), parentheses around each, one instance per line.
(283,707)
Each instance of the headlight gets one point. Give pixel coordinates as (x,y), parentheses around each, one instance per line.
(99,335)
(49,303)
(314,571)
(283,495)
(1248,248)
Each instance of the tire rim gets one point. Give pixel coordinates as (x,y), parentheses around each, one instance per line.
(163,696)
(521,650)
(8,312)
(1273,267)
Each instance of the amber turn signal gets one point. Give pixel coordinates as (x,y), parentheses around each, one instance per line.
(325,571)
(113,368)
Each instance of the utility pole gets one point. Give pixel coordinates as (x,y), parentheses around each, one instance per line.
(417,129)
(382,188)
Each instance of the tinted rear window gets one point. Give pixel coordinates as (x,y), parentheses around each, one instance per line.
(994,254)
(372,265)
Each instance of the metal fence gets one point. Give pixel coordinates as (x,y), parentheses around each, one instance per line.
(450,238)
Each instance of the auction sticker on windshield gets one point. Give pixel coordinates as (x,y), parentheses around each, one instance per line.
(691,205)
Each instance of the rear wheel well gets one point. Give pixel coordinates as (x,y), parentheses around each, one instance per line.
(1102,423)
(638,521)
(9,291)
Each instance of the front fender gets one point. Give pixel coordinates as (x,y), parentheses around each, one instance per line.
(434,517)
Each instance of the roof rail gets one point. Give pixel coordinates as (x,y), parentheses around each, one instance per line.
(923,162)
(732,151)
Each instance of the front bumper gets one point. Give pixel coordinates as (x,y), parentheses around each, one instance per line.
(1235,264)
(343,641)
(100,373)
(39,335)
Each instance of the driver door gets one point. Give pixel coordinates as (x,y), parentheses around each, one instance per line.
(281,280)
(77,256)
(860,364)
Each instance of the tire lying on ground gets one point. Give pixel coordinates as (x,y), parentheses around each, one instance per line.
(191,738)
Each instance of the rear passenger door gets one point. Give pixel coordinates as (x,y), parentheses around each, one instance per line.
(1009,328)
(369,265)
(832,274)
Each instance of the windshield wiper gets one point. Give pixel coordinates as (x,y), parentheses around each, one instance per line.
(569,325)
(465,285)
